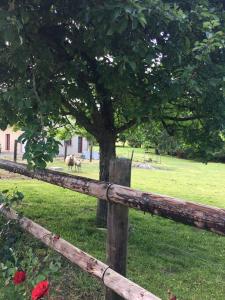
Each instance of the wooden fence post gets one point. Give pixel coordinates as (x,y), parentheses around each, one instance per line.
(117,223)
(15,151)
(91,151)
(65,150)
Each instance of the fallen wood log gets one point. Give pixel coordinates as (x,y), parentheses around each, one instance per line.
(198,215)
(111,279)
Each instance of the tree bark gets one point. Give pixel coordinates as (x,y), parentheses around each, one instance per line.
(107,152)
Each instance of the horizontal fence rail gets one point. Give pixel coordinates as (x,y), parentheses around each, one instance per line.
(198,215)
(111,279)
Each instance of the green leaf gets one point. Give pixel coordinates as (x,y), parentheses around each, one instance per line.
(132,65)
(142,21)
(110,31)
(39,278)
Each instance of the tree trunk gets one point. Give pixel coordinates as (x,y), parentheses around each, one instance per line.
(156,151)
(107,152)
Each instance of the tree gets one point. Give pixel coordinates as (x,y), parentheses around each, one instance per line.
(134,136)
(111,64)
(151,135)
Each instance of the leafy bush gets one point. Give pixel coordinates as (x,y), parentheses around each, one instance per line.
(219,156)
(24,270)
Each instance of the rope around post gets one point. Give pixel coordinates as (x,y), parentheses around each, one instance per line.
(104,273)
(107,191)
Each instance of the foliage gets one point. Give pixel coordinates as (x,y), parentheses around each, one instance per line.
(15,256)
(42,146)
(37,268)
(110,65)
(8,198)
(151,135)
(219,155)
(69,130)
(9,232)
(134,137)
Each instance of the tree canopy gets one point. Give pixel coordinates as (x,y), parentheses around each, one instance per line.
(111,64)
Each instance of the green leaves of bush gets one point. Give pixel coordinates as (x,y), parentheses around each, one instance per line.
(9,198)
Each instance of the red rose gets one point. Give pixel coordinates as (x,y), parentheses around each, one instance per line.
(40,290)
(19,277)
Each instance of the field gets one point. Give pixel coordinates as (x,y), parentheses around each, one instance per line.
(162,254)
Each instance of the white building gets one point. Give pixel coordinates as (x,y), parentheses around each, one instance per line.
(7,141)
(76,145)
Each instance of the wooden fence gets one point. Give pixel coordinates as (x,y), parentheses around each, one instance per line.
(195,214)
(198,215)
(111,279)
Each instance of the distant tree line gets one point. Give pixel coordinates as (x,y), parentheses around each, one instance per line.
(154,136)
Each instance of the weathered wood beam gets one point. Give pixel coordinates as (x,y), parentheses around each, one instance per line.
(198,215)
(111,279)
(117,223)
(15,150)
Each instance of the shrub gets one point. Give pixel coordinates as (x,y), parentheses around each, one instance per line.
(24,268)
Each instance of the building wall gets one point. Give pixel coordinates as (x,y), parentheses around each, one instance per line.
(71,149)
(12,137)
(73,146)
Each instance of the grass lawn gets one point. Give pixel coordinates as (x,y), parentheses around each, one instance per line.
(162,254)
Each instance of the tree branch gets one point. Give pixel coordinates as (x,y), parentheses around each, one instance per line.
(106,106)
(183,119)
(126,125)
(82,119)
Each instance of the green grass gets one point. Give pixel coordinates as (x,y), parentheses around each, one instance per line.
(162,254)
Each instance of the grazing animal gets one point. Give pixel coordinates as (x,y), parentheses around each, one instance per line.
(70,162)
(77,165)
